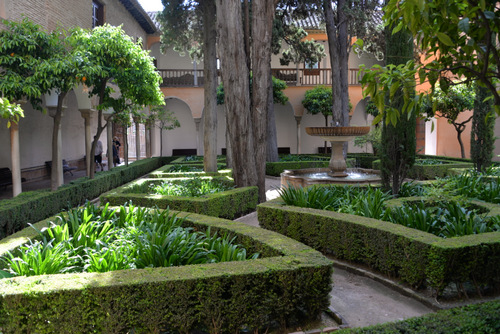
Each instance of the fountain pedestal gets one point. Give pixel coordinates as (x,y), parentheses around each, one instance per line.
(337,172)
(337,136)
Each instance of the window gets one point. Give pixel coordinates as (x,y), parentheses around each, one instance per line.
(311,68)
(97,14)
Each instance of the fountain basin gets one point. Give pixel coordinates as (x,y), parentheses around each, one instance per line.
(311,176)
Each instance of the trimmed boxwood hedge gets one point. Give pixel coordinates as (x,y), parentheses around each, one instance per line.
(430,172)
(290,282)
(414,256)
(33,206)
(477,318)
(182,161)
(228,204)
(164,172)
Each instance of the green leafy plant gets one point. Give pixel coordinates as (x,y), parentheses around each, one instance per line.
(446,217)
(192,187)
(92,239)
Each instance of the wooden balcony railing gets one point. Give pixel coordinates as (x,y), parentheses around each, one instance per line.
(292,77)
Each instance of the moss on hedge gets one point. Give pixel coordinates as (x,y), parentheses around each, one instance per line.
(414,256)
(291,282)
(228,204)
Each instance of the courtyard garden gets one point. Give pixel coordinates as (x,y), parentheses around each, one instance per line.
(440,235)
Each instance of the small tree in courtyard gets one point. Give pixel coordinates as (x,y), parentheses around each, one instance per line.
(163,119)
(23,46)
(124,64)
(450,105)
(398,140)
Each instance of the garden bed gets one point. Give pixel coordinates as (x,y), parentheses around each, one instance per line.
(229,204)
(288,283)
(33,206)
(416,257)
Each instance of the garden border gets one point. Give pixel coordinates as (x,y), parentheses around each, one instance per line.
(221,297)
(414,256)
(228,204)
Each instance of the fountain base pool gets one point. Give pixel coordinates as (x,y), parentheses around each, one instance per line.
(310,176)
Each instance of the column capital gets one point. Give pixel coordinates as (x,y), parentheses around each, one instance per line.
(86,113)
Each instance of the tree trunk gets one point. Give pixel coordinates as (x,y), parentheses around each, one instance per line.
(57,173)
(262,23)
(210,86)
(237,94)
(459,138)
(338,46)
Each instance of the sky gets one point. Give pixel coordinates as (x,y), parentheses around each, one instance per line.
(151,5)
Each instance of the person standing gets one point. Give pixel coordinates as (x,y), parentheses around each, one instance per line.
(116,151)
(98,155)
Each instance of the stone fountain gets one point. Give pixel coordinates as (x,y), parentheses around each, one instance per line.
(337,171)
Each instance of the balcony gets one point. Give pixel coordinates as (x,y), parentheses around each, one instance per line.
(292,77)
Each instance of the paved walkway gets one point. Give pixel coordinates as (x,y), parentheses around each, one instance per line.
(359,300)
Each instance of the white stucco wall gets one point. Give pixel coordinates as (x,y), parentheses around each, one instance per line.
(183,137)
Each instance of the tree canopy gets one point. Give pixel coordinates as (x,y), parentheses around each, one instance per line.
(450,105)
(23,46)
(127,78)
(459,38)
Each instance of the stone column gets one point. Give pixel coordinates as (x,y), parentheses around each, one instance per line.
(298,119)
(199,146)
(58,162)
(195,67)
(88,139)
(147,128)
(15,159)
(137,140)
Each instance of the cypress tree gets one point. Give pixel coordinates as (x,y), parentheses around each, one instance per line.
(482,132)
(398,142)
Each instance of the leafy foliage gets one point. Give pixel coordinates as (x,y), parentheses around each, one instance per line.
(459,35)
(398,141)
(91,239)
(23,47)
(445,218)
(10,111)
(319,101)
(192,187)
(450,105)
